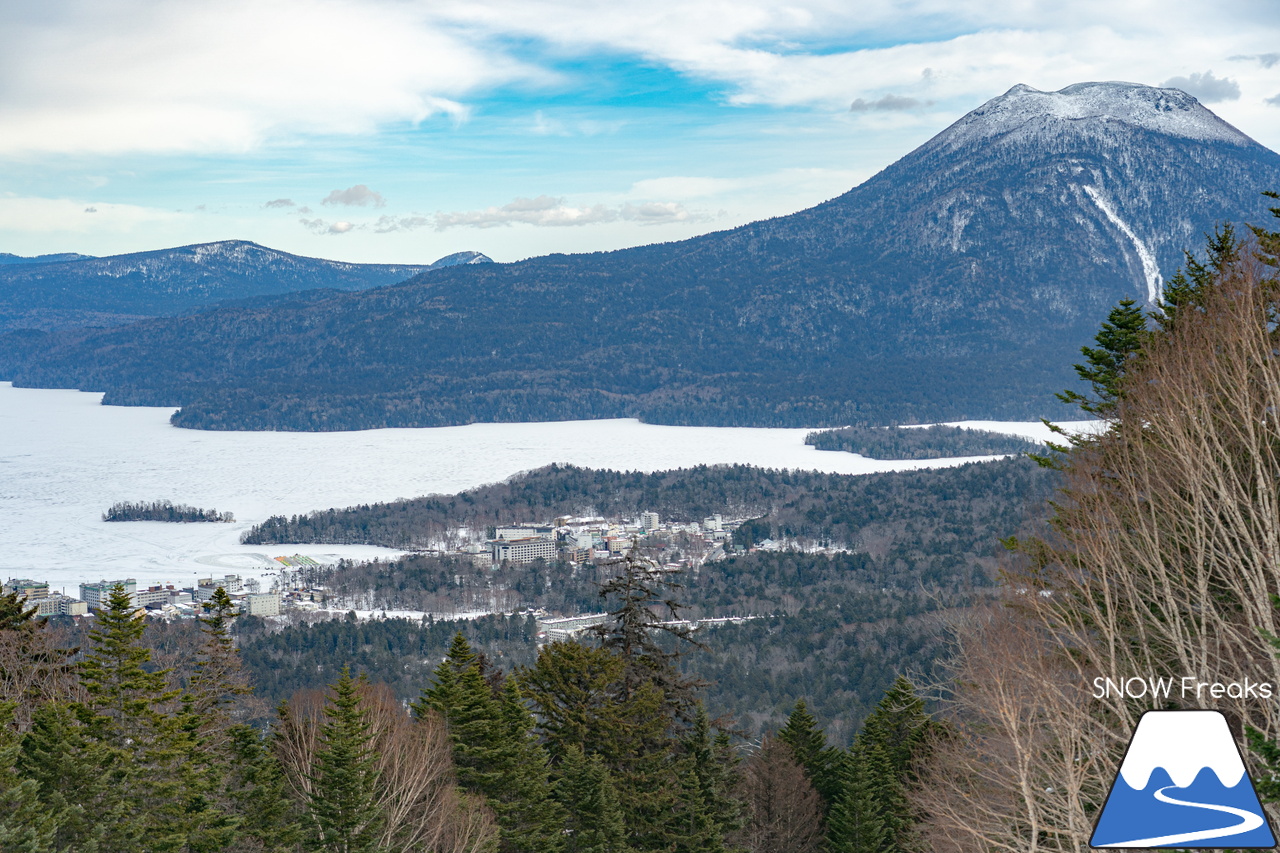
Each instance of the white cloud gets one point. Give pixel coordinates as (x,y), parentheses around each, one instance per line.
(388,224)
(321,226)
(1266,60)
(547,211)
(228,75)
(357,196)
(280,202)
(29,215)
(887,103)
(1206,87)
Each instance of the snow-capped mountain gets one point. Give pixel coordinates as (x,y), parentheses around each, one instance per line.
(68,290)
(959,282)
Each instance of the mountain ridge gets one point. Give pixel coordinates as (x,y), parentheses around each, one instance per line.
(958,282)
(83,290)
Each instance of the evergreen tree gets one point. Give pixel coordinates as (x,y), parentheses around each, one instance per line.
(259,793)
(530,818)
(26,825)
(643,612)
(808,745)
(344,779)
(463,697)
(126,716)
(123,694)
(494,751)
(1184,289)
(14,613)
(594,821)
(900,727)
(77,776)
(32,669)
(707,810)
(862,818)
(1119,342)
(218,680)
(580,701)
(1268,241)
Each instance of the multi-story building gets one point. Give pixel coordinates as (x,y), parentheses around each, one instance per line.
(261,604)
(649,521)
(566,627)
(206,587)
(96,595)
(28,589)
(523,531)
(58,604)
(524,550)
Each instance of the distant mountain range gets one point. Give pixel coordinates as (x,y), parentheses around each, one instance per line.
(958,282)
(57,291)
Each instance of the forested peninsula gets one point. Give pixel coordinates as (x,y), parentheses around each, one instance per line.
(933,442)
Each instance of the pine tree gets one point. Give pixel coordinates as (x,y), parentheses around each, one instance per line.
(809,747)
(122,693)
(344,779)
(580,701)
(26,826)
(77,776)
(530,818)
(900,727)
(861,819)
(259,793)
(707,811)
(644,611)
(1119,342)
(594,820)
(493,750)
(32,669)
(464,698)
(218,680)
(126,717)
(1186,287)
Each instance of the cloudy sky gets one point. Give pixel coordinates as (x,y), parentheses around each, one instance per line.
(403,130)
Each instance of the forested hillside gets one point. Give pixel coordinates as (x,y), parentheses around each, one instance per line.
(957,283)
(968,503)
(833,627)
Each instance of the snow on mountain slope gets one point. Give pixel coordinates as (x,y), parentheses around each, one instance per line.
(1026,113)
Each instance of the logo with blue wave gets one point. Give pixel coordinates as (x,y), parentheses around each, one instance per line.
(1183,784)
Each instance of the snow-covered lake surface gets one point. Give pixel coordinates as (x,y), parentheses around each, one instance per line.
(64,459)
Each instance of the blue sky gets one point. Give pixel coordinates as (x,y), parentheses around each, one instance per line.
(403,130)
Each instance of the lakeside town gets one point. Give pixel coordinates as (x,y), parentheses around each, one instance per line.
(298,586)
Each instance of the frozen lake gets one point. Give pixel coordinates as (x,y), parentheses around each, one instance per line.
(64,459)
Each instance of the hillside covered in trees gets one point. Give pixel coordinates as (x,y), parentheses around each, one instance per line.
(833,626)
(592,746)
(911,298)
(970,501)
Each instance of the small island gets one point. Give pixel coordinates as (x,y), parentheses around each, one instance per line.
(162,511)
(934,442)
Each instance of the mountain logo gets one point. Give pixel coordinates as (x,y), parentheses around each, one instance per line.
(1182,781)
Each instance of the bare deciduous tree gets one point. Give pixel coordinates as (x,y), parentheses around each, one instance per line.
(1162,562)
(783,811)
(421,806)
